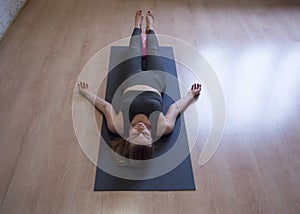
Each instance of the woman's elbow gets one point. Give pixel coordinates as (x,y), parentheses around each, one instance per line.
(169,128)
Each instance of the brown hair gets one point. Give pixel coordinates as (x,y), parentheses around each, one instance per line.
(131,150)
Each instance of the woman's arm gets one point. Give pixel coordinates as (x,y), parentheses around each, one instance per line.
(102,105)
(179,106)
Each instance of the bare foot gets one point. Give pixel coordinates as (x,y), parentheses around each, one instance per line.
(138,19)
(149,21)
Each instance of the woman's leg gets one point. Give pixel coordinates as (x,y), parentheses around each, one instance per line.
(135,45)
(153,61)
(133,63)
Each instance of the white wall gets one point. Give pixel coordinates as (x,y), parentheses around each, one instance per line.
(8,9)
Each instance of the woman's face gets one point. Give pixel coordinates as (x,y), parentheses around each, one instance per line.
(139,134)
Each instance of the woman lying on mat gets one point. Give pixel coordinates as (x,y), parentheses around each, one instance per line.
(141,121)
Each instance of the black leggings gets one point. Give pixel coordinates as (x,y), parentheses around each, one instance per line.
(152,62)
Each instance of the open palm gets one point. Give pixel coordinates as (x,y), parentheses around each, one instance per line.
(84,88)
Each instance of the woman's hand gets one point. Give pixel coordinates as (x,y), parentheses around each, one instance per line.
(84,88)
(195,90)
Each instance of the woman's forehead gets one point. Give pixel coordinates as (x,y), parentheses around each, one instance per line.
(140,140)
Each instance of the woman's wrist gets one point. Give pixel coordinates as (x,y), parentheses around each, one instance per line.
(91,96)
(184,102)
(190,96)
(194,96)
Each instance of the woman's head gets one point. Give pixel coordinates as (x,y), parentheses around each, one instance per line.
(136,149)
(140,134)
(132,151)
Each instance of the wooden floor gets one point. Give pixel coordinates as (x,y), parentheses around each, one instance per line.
(254,49)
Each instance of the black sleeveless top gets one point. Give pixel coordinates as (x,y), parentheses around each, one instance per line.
(148,103)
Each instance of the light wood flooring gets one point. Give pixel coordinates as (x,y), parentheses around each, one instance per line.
(254,49)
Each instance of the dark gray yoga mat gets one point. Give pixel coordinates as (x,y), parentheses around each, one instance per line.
(179,178)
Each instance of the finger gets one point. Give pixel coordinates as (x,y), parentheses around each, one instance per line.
(193,86)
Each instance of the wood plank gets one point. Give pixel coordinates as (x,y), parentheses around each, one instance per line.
(253,47)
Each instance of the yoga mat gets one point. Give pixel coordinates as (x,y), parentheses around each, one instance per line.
(179,178)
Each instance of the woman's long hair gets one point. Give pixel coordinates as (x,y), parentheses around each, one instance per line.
(126,153)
